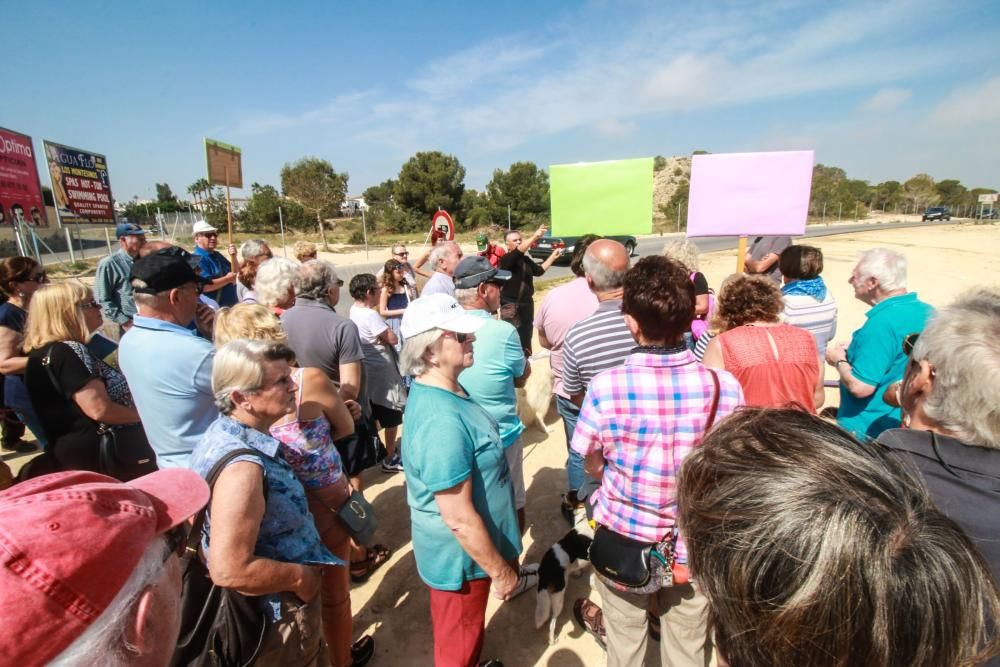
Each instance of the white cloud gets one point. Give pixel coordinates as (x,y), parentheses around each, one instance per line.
(887,99)
(612,127)
(975,104)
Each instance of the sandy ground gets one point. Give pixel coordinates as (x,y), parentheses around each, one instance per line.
(393,605)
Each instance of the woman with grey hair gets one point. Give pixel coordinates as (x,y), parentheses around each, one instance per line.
(274,285)
(465,531)
(260,538)
(817,550)
(950,397)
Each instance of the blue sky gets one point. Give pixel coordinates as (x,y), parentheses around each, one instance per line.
(883,89)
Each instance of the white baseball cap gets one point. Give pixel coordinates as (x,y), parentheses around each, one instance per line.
(202,227)
(437,311)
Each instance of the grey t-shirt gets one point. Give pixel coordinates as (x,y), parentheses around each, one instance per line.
(439,282)
(763,246)
(320,337)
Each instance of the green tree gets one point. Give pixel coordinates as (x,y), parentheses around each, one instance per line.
(676,208)
(477,213)
(315,186)
(920,192)
(163,193)
(951,192)
(261,212)
(659,163)
(428,181)
(887,195)
(379,195)
(525,188)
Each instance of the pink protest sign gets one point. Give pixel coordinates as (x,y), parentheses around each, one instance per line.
(750,194)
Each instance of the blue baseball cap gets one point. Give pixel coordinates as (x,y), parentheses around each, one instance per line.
(128,229)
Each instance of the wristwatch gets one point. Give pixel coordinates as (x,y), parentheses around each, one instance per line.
(839,362)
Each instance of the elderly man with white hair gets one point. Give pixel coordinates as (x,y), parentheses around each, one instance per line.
(443,259)
(875,358)
(90,573)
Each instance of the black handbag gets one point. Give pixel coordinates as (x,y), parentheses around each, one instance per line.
(356,514)
(219,626)
(634,566)
(123,452)
(362,449)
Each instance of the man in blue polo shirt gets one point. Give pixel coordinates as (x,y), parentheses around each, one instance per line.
(875,358)
(220,272)
(168,366)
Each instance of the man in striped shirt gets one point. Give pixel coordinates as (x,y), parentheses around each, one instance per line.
(598,342)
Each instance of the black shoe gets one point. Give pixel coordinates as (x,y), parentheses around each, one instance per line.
(21,447)
(362,651)
(491,663)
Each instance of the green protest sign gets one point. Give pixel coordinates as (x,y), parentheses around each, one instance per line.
(614,197)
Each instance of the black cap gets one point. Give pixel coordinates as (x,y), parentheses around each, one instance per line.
(165,270)
(476,270)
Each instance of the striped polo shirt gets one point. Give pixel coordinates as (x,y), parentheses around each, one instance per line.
(595,344)
(817,317)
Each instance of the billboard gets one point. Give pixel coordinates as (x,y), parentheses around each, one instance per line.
(20,189)
(606,198)
(225,166)
(750,194)
(80,185)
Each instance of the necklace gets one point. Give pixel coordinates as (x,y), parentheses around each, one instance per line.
(661,349)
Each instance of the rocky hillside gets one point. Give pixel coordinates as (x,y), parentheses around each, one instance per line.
(665,181)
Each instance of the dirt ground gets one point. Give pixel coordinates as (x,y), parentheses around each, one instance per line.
(393,605)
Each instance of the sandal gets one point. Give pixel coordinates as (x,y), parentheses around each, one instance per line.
(591,618)
(654,626)
(377,556)
(362,651)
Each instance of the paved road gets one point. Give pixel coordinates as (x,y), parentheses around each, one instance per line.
(653,245)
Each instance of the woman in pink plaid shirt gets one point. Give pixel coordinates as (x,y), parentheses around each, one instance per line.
(637,423)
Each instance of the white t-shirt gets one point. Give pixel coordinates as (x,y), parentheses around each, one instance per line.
(370,324)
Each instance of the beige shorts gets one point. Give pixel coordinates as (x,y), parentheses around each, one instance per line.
(515,461)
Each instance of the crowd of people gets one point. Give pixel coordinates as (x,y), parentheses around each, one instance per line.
(243,393)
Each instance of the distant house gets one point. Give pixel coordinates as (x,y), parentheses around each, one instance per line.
(353,206)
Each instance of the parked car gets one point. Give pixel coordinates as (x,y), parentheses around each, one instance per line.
(544,246)
(937,213)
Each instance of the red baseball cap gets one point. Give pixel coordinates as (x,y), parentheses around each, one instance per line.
(69,542)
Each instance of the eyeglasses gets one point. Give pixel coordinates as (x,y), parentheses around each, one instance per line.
(92,304)
(401,254)
(908,342)
(37,278)
(459,337)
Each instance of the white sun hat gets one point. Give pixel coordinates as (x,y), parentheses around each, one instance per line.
(437,311)
(202,227)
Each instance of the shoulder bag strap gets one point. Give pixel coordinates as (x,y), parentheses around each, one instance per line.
(715,399)
(47,363)
(194,537)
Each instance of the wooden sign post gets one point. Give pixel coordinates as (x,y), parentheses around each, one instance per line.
(225,168)
(741,254)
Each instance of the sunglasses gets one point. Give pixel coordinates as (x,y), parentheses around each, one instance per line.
(38,278)
(176,539)
(460,337)
(210,235)
(92,304)
(401,254)
(908,342)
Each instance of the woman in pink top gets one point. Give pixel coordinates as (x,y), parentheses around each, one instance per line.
(776,363)
(306,438)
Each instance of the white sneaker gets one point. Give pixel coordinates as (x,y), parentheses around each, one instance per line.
(527,581)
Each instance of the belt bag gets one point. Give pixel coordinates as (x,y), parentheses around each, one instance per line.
(627,564)
(357,515)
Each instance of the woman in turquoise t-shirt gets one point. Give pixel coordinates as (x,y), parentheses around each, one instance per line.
(465,532)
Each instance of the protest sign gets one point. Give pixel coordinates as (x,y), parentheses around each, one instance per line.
(80,185)
(20,189)
(225,164)
(750,194)
(604,198)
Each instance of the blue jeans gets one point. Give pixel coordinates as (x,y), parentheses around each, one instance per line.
(574,464)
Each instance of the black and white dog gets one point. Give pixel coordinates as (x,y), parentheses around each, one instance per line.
(567,556)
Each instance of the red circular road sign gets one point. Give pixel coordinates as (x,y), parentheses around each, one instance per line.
(443,225)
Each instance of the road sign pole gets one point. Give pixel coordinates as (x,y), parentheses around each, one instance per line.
(281,226)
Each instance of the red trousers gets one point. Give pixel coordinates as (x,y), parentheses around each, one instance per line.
(459,620)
